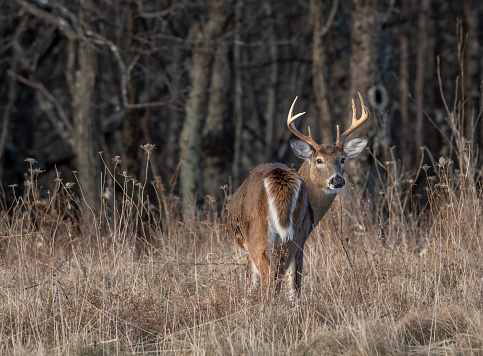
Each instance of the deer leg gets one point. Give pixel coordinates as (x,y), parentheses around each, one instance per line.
(261,251)
(299,261)
(279,258)
(294,274)
(254,277)
(291,279)
(262,271)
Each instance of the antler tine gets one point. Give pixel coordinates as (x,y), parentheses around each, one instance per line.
(355,122)
(290,119)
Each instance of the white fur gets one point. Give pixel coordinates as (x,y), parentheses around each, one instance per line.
(330,190)
(285,234)
(255,275)
(271,234)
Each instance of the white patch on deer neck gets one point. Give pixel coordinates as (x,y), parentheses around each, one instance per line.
(274,226)
(330,190)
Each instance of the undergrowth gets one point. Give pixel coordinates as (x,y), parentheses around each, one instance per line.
(393,273)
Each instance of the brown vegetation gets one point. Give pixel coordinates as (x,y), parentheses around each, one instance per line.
(133,280)
(102,260)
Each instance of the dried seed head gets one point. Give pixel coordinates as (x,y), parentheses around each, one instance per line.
(107,194)
(211,198)
(117,160)
(30,160)
(36,171)
(148,147)
(441,162)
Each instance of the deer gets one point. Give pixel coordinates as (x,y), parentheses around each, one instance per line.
(273,212)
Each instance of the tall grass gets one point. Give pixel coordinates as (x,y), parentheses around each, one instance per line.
(131,280)
(391,274)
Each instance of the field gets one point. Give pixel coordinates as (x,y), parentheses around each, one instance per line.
(395,272)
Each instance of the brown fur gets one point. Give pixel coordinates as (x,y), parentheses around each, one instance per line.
(248,220)
(249,213)
(283,184)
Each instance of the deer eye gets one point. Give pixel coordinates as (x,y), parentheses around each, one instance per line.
(319,161)
(342,160)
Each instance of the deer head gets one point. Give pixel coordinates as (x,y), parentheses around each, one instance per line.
(327,161)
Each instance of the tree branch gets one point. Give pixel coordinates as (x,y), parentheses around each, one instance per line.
(161,13)
(124,72)
(77,32)
(62,126)
(330,19)
(71,32)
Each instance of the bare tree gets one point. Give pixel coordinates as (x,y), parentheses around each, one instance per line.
(365,47)
(215,161)
(237,100)
(81,79)
(318,66)
(272,82)
(471,66)
(190,139)
(404,82)
(364,68)
(131,128)
(420,74)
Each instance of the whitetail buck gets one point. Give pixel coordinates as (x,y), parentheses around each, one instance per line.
(276,208)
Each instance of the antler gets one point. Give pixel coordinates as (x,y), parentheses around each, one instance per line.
(355,122)
(291,119)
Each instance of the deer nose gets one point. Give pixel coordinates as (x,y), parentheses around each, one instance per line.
(337,181)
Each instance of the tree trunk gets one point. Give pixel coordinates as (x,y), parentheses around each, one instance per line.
(272,84)
(131,131)
(215,160)
(171,151)
(238,114)
(365,44)
(190,140)
(420,74)
(318,66)
(472,68)
(82,66)
(404,85)
(364,74)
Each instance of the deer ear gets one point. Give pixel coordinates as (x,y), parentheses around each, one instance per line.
(301,149)
(354,147)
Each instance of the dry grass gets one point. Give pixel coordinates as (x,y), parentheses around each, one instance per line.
(146,283)
(133,279)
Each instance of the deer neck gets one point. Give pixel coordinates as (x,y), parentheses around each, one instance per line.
(319,200)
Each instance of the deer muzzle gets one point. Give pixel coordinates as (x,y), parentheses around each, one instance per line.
(336,182)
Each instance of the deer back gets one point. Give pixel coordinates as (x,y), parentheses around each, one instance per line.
(273,198)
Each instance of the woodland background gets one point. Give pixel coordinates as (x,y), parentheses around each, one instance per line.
(87,87)
(209,83)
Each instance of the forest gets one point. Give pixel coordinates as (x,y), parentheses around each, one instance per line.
(125,127)
(209,84)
